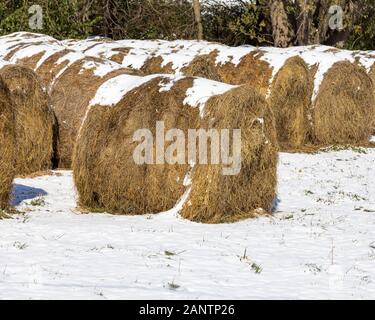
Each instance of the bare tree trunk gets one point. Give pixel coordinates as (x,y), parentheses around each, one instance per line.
(282,31)
(305,28)
(198,18)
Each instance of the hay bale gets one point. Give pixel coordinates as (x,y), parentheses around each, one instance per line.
(108,179)
(106,175)
(34,120)
(343,106)
(290,100)
(218,198)
(7,144)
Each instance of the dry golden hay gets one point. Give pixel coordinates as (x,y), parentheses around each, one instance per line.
(218,198)
(203,66)
(106,175)
(372,76)
(290,91)
(343,106)
(7,144)
(34,120)
(251,69)
(154,65)
(290,100)
(120,54)
(71,94)
(52,67)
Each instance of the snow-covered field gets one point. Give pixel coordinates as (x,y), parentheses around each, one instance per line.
(319,244)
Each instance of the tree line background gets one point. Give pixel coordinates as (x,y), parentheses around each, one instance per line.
(279,23)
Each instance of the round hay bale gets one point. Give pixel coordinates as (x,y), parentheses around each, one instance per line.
(7,144)
(105,173)
(218,198)
(343,106)
(71,92)
(290,100)
(34,120)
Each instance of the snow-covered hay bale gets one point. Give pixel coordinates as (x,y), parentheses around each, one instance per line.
(218,198)
(108,178)
(290,99)
(34,119)
(71,92)
(7,144)
(344,106)
(105,173)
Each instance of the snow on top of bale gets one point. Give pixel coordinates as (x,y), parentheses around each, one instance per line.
(13,39)
(30,36)
(33,49)
(113,90)
(101,69)
(3,63)
(202,90)
(180,53)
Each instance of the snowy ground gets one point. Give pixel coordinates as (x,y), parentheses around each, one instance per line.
(319,244)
